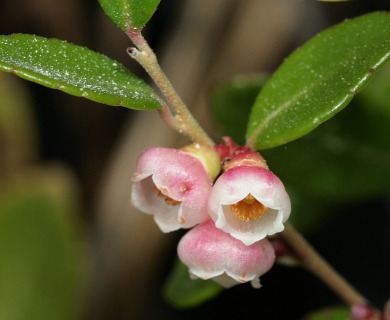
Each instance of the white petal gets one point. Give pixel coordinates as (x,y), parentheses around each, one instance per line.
(233,186)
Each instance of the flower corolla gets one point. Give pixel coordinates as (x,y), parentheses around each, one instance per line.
(211,253)
(248,201)
(172,185)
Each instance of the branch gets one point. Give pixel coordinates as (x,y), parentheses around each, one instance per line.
(181,119)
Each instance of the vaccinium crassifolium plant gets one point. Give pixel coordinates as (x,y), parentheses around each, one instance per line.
(238,214)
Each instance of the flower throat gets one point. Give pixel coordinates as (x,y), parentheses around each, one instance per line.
(248,209)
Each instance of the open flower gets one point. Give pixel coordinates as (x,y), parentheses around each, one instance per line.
(211,253)
(249,202)
(172,185)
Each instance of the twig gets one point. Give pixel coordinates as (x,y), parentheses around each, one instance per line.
(181,119)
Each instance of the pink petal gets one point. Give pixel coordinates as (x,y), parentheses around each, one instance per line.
(211,253)
(178,176)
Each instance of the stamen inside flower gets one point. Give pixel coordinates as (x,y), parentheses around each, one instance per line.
(167,199)
(248,209)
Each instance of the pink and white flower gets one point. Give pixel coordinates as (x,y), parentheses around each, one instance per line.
(173,186)
(211,253)
(249,202)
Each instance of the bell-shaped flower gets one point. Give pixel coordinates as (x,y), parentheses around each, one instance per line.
(248,201)
(173,185)
(211,253)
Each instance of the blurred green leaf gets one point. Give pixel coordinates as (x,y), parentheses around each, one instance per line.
(17,125)
(75,70)
(128,14)
(183,292)
(39,262)
(231,104)
(334,313)
(319,79)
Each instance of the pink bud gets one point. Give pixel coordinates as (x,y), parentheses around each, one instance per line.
(226,148)
(249,202)
(243,156)
(211,253)
(233,155)
(173,186)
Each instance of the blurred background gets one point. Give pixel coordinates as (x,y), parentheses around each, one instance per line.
(72,246)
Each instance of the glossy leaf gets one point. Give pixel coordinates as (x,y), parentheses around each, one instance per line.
(345,159)
(40,265)
(339,160)
(183,292)
(128,14)
(75,70)
(319,79)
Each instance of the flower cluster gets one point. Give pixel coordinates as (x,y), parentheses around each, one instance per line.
(229,198)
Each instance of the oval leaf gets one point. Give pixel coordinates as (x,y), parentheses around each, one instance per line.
(319,79)
(128,14)
(75,70)
(41,271)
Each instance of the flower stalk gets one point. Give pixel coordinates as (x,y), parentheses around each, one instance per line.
(180,119)
(318,266)
(176,115)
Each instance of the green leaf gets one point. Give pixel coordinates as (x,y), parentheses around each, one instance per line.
(75,70)
(339,160)
(333,313)
(337,163)
(40,266)
(319,79)
(231,104)
(183,292)
(128,14)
